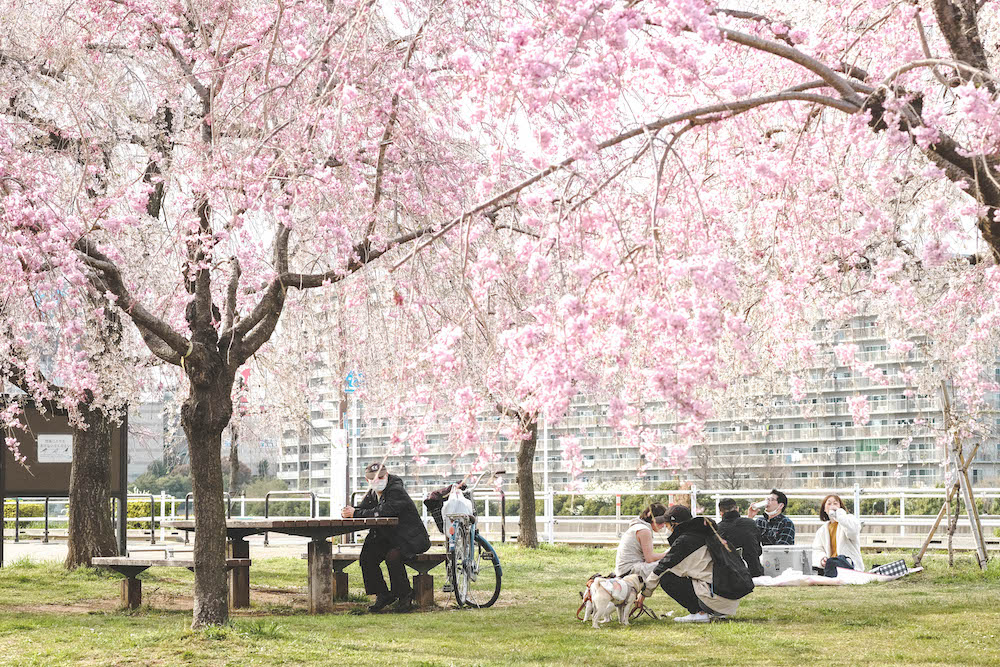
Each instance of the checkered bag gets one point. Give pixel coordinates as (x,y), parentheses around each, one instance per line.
(896,568)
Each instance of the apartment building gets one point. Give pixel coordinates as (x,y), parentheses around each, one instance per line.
(766,439)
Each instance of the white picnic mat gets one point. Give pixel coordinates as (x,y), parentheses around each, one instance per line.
(793,577)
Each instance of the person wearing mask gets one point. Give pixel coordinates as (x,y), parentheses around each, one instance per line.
(395,545)
(699,571)
(742,534)
(635,549)
(837,542)
(775,527)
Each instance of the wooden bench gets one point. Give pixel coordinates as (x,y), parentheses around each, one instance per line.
(423,581)
(132,567)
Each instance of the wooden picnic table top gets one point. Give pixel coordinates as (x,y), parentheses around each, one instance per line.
(277,524)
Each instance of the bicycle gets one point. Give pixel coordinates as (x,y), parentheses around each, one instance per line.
(473,564)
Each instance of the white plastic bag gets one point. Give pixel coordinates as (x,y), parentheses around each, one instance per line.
(457,506)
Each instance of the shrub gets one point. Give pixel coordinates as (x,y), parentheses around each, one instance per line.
(138,509)
(26,509)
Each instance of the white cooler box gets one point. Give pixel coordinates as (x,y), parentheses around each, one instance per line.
(779,557)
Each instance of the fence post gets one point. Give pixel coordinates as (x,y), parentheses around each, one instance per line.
(857,501)
(243,504)
(163,514)
(550,519)
(45,535)
(902,513)
(17,520)
(694,498)
(152,519)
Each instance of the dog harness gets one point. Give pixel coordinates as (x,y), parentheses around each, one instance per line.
(617,588)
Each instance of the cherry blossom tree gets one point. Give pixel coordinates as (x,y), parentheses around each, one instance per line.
(195,163)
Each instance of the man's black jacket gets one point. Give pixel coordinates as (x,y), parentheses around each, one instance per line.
(409,535)
(743,533)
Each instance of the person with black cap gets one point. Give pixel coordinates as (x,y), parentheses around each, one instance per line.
(393,544)
(700,571)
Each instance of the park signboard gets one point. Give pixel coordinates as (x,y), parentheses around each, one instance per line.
(47,446)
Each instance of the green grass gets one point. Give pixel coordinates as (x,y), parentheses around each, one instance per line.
(52,617)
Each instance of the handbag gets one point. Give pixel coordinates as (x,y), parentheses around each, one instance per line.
(896,568)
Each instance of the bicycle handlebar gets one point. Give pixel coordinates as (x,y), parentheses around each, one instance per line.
(495,473)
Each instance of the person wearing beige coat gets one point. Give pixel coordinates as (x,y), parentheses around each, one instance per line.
(837,543)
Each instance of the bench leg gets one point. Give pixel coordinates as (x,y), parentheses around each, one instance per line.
(131,593)
(320,576)
(423,590)
(340,585)
(239,588)
(239,577)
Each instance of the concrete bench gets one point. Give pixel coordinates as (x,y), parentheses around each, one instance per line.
(132,567)
(423,581)
(168,550)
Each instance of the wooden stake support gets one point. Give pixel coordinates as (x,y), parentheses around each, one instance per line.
(963,484)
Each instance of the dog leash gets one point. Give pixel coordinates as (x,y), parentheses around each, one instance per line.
(586,599)
(640,608)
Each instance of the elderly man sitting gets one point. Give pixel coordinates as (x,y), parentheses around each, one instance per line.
(392,544)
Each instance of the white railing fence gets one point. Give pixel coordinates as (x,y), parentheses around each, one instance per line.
(894,528)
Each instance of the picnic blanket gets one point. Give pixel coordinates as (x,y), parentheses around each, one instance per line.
(793,577)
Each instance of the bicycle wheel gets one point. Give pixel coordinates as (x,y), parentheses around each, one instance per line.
(458,563)
(484,576)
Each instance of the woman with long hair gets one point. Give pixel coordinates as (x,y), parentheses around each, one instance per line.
(837,542)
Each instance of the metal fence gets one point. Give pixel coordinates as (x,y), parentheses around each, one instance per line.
(897,529)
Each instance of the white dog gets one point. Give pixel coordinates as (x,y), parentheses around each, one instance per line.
(608,594)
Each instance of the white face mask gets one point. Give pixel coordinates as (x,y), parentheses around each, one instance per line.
(378,484)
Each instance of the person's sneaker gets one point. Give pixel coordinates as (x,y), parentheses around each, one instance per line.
(700,617)
(382,600)
(447,588)
(404,604)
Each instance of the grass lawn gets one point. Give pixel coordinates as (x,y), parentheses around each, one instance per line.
(52,617)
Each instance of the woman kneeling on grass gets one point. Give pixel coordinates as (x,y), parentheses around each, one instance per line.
(635,550)
(700,571)
(836,543)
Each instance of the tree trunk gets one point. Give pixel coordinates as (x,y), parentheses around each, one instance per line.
(234,461)
(528,533)
(91,530)
(205,414)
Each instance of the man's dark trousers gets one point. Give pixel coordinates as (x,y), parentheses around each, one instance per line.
(375,550)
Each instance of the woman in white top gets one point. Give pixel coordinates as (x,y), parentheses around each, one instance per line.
(635,550)
(837,542)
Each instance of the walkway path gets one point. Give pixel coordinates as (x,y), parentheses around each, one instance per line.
(55,550)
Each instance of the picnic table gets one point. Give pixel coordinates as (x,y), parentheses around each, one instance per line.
(320,551)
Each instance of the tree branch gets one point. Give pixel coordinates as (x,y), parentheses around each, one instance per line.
(957,20)
(234,281)
(834,80)
(112,280)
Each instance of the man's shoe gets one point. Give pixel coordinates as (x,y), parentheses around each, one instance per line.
(700,617)
(404,604)
(382,600)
